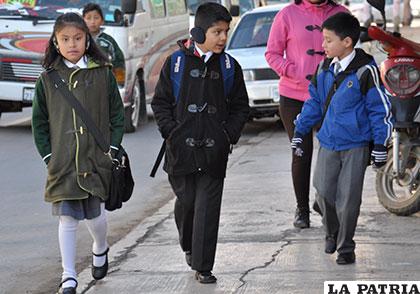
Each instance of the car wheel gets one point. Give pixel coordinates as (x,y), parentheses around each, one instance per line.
(136,113)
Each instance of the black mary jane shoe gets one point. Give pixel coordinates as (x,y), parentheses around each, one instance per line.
(205,277)
(188,258)
(99,272)
(67,290)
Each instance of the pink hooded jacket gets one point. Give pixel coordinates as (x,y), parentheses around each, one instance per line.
(295,30)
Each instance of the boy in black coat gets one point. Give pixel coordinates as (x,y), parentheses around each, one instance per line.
(199,124)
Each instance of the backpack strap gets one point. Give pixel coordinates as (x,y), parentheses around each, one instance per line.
(373,71)
(177,69)
(360,71)
(337,82)
(228,72)
(320,67)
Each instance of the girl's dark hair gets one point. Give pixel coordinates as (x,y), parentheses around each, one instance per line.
(75,20)
(330,2)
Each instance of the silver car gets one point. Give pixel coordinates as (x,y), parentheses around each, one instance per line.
(247,45)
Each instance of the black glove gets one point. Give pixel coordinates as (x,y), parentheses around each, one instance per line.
(296,144)
(379,155)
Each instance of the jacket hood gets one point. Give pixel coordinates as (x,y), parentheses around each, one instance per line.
(361,59)
(186,45)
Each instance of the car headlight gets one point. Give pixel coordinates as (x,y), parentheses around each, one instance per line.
(249,75)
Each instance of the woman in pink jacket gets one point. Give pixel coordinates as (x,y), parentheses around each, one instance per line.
(294,50)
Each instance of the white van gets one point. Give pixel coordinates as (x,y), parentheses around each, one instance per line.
(146,33)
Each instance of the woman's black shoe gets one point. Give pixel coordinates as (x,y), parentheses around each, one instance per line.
(99,272)
(205,277)
(301,219)
(67,290)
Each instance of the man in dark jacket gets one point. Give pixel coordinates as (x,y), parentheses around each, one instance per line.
(199,124)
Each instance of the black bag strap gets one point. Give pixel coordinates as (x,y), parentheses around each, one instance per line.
(158,159)
(80,111)
(337,82)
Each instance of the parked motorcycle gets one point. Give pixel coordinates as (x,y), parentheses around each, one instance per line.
(398,182)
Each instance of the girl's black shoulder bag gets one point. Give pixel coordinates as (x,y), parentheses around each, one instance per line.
(122,182)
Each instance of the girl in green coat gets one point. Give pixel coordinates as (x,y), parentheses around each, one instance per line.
(79,172)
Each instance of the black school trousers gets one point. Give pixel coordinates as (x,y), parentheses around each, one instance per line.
(301,166)
(197,214)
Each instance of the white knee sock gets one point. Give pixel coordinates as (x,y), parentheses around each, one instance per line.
(98,229)
(67,228)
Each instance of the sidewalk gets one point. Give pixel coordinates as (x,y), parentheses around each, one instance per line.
(259,251)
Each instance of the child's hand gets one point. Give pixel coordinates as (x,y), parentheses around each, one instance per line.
(379,155)
(114,153)
(297,144)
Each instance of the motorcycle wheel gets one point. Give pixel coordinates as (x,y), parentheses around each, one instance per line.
(400,195)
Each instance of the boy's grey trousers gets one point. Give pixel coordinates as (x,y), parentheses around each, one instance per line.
(338,180)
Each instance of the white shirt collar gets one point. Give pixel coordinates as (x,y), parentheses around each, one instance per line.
(82,63)
(344,63)
(208,54)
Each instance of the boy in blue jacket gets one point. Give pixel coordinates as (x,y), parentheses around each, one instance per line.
(349,101)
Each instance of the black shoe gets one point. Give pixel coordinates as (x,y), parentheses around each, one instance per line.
(205,277)
(330,244)
(316,208)
(99,272)
(301,219)
(67,290)
(188,257)
(346,258)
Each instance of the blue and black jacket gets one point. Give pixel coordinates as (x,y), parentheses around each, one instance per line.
(359,110)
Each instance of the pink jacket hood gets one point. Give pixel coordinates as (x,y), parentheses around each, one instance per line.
(295,44)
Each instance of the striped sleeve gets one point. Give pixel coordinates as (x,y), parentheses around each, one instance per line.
(378,106)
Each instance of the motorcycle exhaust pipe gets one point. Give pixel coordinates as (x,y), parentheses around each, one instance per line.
(395,152)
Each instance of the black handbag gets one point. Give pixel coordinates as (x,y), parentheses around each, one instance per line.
(122,182)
